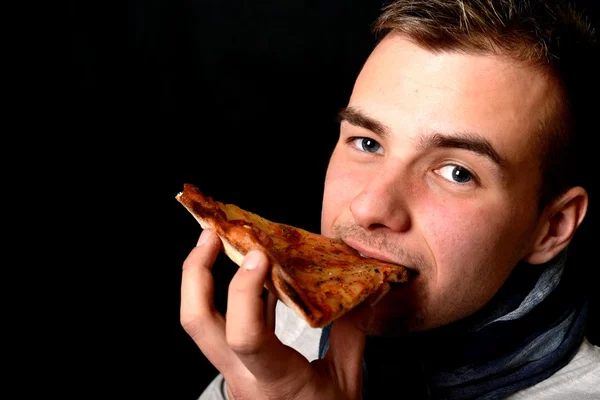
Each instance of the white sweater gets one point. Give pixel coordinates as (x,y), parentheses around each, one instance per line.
(578,380)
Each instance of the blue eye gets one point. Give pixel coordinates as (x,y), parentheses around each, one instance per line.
(455,173)
(366,144)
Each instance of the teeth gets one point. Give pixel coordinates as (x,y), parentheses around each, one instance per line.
(362,255)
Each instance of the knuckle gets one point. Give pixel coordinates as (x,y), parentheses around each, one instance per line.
(238,286)
(193,259)
(198,256)
(243,344)
(194,325)
(187,263)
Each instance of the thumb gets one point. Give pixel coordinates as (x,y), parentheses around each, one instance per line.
(345,355)
(347,344)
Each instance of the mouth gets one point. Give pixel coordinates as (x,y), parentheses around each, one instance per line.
(366,252)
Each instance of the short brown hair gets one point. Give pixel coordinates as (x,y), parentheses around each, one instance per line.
(553,36)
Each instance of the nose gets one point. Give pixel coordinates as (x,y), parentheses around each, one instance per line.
(383,202)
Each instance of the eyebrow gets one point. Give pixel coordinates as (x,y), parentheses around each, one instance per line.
(463,140)
(357,118)
(470,141)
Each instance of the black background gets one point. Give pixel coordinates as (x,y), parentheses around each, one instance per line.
(238,98)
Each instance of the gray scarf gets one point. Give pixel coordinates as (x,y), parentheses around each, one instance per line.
(529,330)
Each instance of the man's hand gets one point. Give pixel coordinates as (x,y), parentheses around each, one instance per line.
(244,347)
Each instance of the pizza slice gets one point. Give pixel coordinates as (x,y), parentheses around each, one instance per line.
(318,277)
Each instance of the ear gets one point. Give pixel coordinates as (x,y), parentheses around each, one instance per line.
(558,223)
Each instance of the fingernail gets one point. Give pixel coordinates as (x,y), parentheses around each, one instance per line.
(202,239)
(252,260)
(384,291)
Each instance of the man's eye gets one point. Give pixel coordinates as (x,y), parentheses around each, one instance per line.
(455,173)
(366,144)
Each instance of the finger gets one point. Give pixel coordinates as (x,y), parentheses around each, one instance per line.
(347,343)
(249,335)
(270,300)
(197,285)
(230,395)
(345,355)
(198,315)
(245,306)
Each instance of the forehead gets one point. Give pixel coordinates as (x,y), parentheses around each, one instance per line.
(414,91)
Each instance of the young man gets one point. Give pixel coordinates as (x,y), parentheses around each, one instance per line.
(453,160)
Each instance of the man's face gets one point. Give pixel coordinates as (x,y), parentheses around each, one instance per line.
(437,169)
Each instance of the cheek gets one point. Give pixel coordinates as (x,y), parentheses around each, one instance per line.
(466,242)
(470,265)
(454,229)
(486,232)
(342,184)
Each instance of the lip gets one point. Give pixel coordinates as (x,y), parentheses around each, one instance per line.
(373,253)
